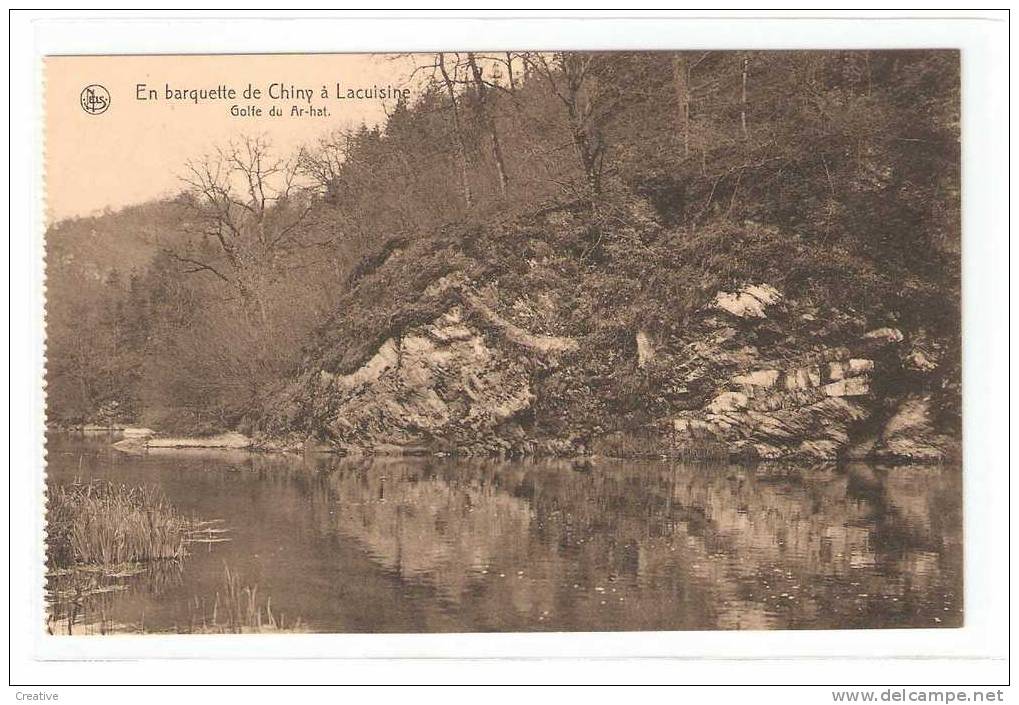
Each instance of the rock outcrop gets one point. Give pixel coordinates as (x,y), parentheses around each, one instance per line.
(909,434)
(445,385)
(752,376)
(806,411)
(805,403)
(748,302)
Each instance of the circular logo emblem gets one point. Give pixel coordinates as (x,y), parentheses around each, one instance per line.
(95,99)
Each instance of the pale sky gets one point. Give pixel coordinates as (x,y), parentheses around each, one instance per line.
(135,150)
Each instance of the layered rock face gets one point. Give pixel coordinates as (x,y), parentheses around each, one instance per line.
(753,376)
(770,413)
(805,396)
(439,386)
(761,407)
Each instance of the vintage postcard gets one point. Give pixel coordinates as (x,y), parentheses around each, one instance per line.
(503,341)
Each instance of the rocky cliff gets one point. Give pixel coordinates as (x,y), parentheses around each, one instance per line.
(462,382)
(813,399)
(455,351)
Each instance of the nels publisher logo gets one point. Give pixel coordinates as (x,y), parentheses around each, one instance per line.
(95,99)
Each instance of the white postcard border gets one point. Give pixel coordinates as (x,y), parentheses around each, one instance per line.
(985,222)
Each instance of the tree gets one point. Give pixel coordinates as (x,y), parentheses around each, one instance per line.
(250,206)
(577,80)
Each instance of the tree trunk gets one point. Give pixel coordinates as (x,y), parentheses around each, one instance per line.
(489,121)
(589,152)
(682,80)
(645,348)
(509,72)
(461,146)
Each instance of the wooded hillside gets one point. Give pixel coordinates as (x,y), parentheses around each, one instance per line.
(584,196)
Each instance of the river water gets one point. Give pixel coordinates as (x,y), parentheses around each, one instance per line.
(441,545)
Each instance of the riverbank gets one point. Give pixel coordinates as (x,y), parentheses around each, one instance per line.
(908,432)
(754,375)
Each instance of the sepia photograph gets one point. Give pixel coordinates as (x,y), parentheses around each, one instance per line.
(483,347)
(503,341)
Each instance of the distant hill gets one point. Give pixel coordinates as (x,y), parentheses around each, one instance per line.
(122,240)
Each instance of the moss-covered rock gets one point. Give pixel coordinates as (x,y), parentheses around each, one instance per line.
(539,337)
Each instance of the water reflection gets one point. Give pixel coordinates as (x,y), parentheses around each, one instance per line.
(428,544)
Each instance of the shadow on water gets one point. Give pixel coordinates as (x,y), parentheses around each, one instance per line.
(429,544)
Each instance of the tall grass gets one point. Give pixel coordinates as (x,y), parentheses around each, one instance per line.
(102,523)
(237,609)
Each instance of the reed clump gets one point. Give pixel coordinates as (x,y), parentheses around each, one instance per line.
(103,523)
(238,609)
